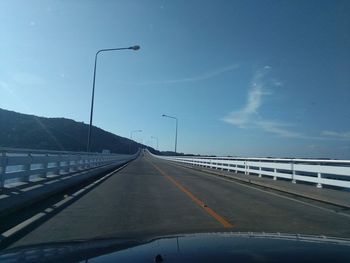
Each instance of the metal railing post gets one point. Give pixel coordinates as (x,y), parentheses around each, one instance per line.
(293,173)
(319,177)
(260,169)
(45,165)
(3,169)
(274,171)
(80,162)
(58,164)
(27,168)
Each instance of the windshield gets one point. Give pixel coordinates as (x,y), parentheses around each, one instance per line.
(133,119)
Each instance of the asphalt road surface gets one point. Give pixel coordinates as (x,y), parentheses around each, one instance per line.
(152,197)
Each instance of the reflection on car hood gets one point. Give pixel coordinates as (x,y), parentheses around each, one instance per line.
(208,247)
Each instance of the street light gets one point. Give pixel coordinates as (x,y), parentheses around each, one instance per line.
(134,132)
(156,138)
(93,87)
(131,138)
(167,116)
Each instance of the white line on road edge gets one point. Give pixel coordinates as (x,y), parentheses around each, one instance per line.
(14,230)
(264,191)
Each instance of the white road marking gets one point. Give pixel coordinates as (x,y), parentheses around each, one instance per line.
(36,217)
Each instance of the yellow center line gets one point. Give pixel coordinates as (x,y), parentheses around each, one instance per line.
(207,209)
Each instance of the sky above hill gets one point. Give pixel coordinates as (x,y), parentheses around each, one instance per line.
(244,78)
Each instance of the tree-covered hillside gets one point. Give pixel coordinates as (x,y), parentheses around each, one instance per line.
(28,131)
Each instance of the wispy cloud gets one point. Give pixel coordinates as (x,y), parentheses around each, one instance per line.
(279,129)
(248,115)
(276,83)
(243,117)
(28,79)
(211,74)
(336,135)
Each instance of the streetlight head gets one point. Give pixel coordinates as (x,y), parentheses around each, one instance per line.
(137,47)
(163,115)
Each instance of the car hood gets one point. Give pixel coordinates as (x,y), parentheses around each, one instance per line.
(202,247)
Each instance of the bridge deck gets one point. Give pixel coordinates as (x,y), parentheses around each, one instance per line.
(153,197)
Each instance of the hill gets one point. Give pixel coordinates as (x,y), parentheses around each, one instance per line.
(19,130)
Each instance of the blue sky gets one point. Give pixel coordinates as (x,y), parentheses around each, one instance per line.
(244,78)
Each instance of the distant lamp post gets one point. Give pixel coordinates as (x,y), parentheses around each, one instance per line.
(156,138)
(93,87)
(167,116)
(131,133)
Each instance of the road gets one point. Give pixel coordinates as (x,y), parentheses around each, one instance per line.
(152,197)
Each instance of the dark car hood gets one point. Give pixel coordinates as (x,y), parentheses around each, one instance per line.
(208,247)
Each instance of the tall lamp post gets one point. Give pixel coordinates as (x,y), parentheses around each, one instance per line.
(156,138)
(167,116)
(131,133)
(93,87)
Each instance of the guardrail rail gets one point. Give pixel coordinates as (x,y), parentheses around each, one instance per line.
(320,172)
(25,165)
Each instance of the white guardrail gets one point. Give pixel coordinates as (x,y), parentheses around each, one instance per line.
(321,172)
(17,165)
